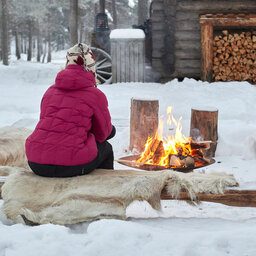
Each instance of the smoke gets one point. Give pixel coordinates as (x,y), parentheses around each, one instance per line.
(196,135)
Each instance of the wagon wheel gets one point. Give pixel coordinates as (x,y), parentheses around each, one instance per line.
(103,65)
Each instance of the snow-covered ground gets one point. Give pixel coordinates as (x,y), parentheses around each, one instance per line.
(179,229)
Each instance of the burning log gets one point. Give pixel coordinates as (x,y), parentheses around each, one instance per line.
(158,153)
(154,151)
(143,122)
(177,161)
(234,57)
(205,123)
(181,161)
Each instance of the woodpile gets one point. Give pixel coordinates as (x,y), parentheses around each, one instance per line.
(234,56)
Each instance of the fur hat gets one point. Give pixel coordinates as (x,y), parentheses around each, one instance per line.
(80,54)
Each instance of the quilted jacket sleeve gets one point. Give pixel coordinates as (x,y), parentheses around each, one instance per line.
(101,122)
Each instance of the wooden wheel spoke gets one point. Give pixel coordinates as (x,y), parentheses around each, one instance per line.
(101,78)
(103,72)
(103,67)
(101,62)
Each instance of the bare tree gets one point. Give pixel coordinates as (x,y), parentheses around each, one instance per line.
(49,56)
(5,34)
(17,44)
(142,11)
(74,21)
(38,56)
(114,13)
(29,57)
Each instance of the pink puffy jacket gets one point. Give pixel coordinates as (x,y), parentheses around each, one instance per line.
(74,115)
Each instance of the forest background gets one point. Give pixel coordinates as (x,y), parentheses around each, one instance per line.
(39,27)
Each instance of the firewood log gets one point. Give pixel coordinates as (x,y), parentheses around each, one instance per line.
(234,56)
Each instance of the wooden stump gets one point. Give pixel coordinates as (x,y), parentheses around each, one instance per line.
(143,122)
(204,124)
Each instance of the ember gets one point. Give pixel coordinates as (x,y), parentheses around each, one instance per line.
(175,151)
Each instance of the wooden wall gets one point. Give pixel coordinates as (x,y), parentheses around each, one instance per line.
(176,36)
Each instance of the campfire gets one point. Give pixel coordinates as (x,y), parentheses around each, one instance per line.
(174,151)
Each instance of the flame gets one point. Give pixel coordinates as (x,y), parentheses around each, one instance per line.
(158,148)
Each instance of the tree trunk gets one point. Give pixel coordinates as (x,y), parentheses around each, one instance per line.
(74,21)
(5,34)
(45,49)
(143,122)
(82,28)
(142,11)
(114,14)
(29,41)
(38,56)
(102,6)
(204,126)
(95,8)
(17,44)
(49,56)
(22,45)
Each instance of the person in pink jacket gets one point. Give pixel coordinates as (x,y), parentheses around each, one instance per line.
(71,136)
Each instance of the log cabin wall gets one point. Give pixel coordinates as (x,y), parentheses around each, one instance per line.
(176,35)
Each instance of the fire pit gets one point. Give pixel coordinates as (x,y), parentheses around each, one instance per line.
(131,161)
(175,152)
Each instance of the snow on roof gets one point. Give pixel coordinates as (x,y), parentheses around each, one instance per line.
(127,33)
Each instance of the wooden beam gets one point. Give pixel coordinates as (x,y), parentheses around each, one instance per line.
(228,19)
(207,52)
(240,198)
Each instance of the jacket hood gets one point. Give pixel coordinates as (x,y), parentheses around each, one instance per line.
(74,78)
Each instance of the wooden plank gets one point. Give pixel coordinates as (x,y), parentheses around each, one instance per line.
(159,35)
(127,58)
(159,26)
(188,25)
(159,45)
(240,198)
(131,62)
(221,6)
(180,64)
(188,72)
(158,16)
(185,44)
(136,62)
(188,35)
(188,54)
(122,61)
(187,15)
(118,63)
(157,5)
(206,52)
(114,62)
(142,61)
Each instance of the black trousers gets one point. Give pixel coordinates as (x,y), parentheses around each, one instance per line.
(104,160)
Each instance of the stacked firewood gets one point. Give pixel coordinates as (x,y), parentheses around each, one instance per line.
(234,57)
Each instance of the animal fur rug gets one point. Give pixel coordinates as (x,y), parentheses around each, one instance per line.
(101,194)
(12,146)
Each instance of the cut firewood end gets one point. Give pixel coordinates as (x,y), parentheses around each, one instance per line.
(234,57)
